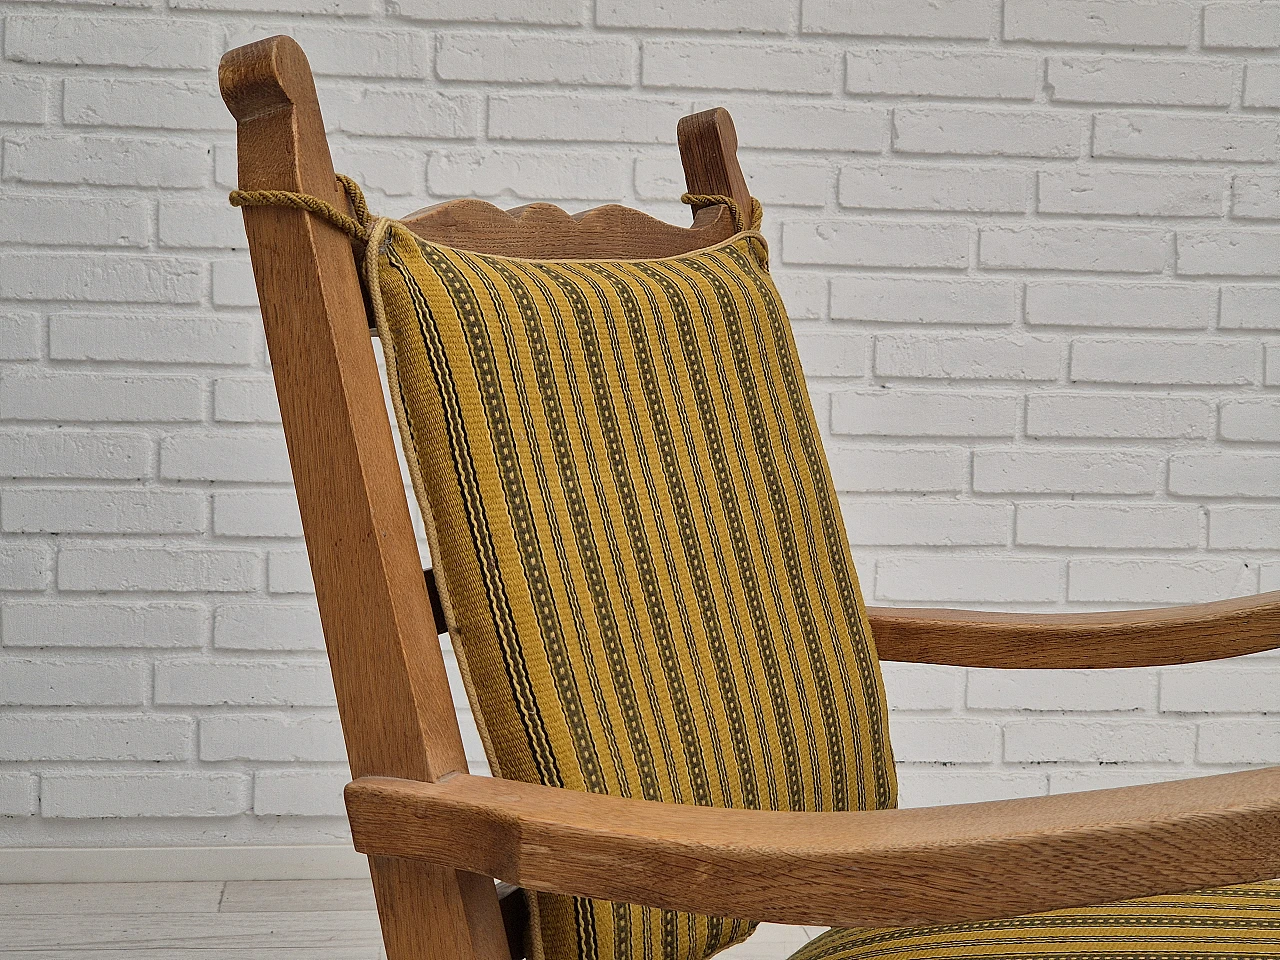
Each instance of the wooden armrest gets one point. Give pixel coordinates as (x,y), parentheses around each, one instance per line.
(885,867)
(1129,638)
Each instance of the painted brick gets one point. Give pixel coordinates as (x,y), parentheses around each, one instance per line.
(25,565)
(1164,361)
(906,413)
(159,104)
(160,43)
(1255,196)
(168,569)
(584,117)
(1076,248)
(370,112)
(234,455)
(527,174)
(549,12)
(832,354)
(278,739)
(1074,471)
(496,58)
(969,357)
(1125,193)
(60,454)
(185,794)
(1093,741)
(1066,690)
(106,161)
(245,400)
(289,571)
(919,740)
(193,340)
(267,626)
(921,686)
(46,736)
(19,794)
(233,284)
(761,16)
(293,683)
(738,66)
(1272,375)
(894,469)
(1239,253)
(797,125)
(1238,741)
(1174,136)
(105,278)
(1254,26)
(21,336)
(348,51)
(256,513)
(101,396)
(352,8)
(1225,474)
(22,99)
(1088,303)
(995,133)
(1109,777)
(1244,528)
(876,244)
(99,623)
(927,522)
(930,787)
(208,224)
(1127,416)
(804,294)
(958,19)
(1189,83)
(1204,689)
(900,71)
(1108,525)
(1261,85)
(792,181)
(125,222)
(914,187)
(386,170)
(1256,420)
(300,793)
(968,579)
(84,510)
(1250,308)
(1129,23)
(924,300)
(1158,581)
(75,683)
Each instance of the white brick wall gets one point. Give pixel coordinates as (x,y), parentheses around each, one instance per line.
(1032,252)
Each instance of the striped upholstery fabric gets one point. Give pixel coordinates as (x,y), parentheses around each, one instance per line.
(646,572)
(1230,923)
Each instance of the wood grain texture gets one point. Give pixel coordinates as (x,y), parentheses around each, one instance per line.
(388,670)
(1129,638)
(877,868)
(709,153)
(542,231)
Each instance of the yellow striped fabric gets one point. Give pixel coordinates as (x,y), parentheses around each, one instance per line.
(646,572)
(1230,923)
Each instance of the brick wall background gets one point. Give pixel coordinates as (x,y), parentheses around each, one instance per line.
(1032,253)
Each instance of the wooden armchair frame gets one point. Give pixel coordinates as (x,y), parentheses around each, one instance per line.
(436,836)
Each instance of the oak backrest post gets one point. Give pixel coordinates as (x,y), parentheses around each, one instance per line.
(388,670)
(709,152)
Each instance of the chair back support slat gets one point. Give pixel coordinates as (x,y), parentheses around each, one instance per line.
(388,669)
(379,616)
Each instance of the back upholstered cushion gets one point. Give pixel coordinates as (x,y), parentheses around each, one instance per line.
(643,564)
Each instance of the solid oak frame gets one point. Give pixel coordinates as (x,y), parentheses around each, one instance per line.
(436,836)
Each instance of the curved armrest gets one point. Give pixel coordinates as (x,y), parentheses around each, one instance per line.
(884,867)
(1128,638)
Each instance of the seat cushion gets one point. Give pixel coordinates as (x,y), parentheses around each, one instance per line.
(644,568)
(1229,923)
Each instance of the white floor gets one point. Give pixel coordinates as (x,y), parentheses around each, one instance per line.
(235,920)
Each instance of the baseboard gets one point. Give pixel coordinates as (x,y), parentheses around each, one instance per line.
(120,864)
